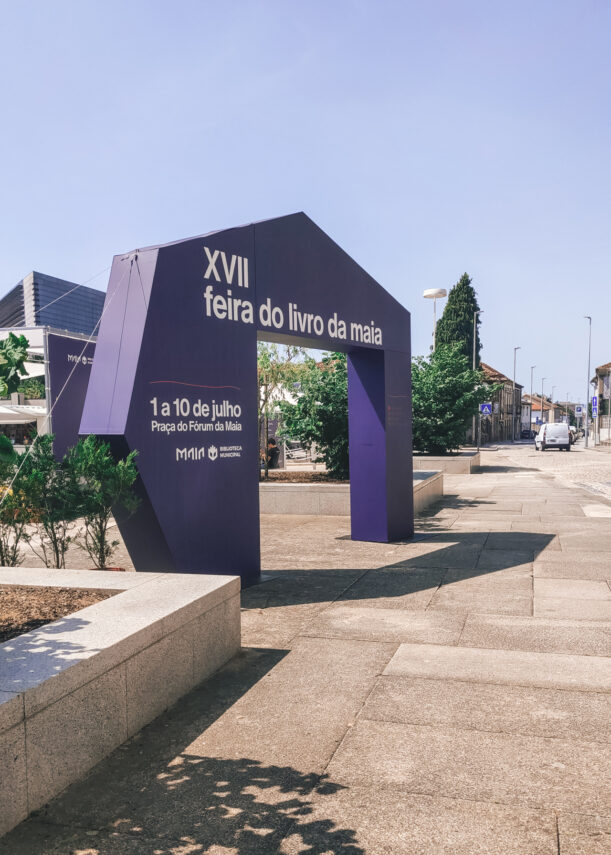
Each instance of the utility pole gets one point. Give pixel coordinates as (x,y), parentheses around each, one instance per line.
(542,381)
(513,417)
(588,318)
(532,368)
(475,314)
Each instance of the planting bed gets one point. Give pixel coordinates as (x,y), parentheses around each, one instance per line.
(74,689)
(24,608)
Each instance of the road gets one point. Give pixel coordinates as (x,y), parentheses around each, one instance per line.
(587,468)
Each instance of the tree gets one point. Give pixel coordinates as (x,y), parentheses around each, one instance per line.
(13,353)
(103,483)
(53,495)
(320,414)
(278,370)
(456,324)
(446,393)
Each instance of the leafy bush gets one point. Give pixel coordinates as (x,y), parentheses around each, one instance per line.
(54,500)
(102,483)
(15,513)
(446,393)
(320,415)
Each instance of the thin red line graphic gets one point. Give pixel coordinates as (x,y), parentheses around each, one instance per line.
(196,385)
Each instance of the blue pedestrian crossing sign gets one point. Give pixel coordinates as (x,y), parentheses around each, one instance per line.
(485,409)
(594,405)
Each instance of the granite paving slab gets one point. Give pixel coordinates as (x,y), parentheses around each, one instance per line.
(398,625)
(537,634)
(579,834)
(572,589)
(307,709)
(394,588)
(518,668)
(472,764)
(584,543)
(576,609)
(483,706)
(379,822)
(504,603)
(585,565)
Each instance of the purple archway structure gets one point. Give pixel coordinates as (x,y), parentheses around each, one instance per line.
(175,377)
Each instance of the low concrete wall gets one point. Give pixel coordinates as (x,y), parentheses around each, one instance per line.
(74,690)
(334,499)
(463,463)
(428,488)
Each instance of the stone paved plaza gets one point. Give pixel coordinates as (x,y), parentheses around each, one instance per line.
(444,695)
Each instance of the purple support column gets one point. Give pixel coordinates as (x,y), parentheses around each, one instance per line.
(381,468)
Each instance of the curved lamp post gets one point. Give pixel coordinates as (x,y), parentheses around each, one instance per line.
(434,294)
(587,418)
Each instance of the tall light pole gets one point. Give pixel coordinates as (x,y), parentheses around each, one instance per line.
(568,421)
(543,379)
(552,408)
(475,314)
(513,417)
(532,368)
(434,294)
(589,319)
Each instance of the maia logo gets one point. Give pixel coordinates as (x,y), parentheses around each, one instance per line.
(191,453)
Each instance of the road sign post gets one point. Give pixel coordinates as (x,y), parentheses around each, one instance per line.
(484,410)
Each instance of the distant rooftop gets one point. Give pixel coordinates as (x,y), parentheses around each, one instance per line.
(494,376)
(43,300)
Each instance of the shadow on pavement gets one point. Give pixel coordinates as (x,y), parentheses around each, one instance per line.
(452,556)
(157,794)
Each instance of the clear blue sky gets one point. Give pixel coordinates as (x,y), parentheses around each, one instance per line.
(427,138)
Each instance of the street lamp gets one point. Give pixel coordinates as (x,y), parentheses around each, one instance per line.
(532,368)
(434,294)
(513,417)
(588,318)
(552,409)
(543,379)
(475,314)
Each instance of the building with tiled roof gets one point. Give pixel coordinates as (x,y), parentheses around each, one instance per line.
(506,406)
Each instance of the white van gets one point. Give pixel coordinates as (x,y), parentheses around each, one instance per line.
(553,436)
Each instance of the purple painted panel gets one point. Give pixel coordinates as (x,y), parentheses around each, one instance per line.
(70,360)
(318,287)
(367,434)
(399,455)
(119,342)
(175,378)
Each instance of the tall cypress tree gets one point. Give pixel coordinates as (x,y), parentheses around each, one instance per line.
(456,324)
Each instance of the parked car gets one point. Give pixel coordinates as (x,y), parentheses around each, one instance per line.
(572,434)
(553,436)
(528,434)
